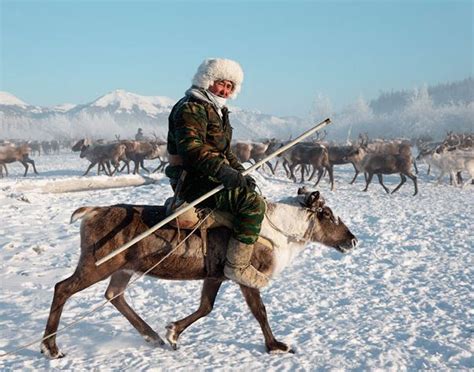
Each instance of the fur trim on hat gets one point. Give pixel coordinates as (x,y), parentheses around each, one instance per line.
(213,69)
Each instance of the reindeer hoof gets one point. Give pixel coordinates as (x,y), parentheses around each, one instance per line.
(279,348)
(51,354)
(172,336)
(156,340)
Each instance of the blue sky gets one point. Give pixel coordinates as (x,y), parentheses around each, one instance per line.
(75,51)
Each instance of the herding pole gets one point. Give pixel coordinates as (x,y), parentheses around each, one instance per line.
(187,207)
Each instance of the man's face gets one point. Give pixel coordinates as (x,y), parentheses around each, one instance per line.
(222,88)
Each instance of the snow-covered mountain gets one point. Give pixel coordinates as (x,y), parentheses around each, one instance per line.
(64,107)
(11,105)
(119,113)
(120,102)
(420,112)
(7,99)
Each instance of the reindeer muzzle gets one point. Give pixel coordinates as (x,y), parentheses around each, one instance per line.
(347,246)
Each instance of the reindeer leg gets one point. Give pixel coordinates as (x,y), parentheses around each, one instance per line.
(89,168)
(403,180)
(413,178)
(163,165)
(118,283)
(380,177)
(274,167)
(303,171)
(331,176)
(108,171)
(469,180)
(33,165)
(292,175)
(312,173)
(459,178)
(62,292)
(286,168)
(125,164)
(438,181)
(25,164)
(142,164)
(271,167)
(367,181)
(136,168)
(208,296)
(254,301)
(355,175)
(158,167)
(320,174)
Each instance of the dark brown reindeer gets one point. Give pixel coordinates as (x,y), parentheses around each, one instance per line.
(313,154)
(339,154)
(104,229)
(101,154)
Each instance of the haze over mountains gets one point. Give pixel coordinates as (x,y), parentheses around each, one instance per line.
(425,111)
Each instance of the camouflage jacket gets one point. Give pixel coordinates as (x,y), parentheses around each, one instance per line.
(202,138)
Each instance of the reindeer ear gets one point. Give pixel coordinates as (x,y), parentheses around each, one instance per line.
(302,190)
(314,197)
(313,201)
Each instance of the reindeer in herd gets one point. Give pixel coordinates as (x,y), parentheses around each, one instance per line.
(126,151)
(377,157)
(10,153)
(452,156)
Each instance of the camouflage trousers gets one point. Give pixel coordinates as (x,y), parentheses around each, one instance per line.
(248,209)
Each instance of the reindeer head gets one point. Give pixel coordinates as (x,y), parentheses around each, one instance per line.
(78,145)
(355,154)
(325,227)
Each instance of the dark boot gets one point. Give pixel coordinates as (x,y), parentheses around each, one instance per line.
(238,267)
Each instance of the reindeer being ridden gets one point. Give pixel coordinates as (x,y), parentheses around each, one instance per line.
(289,226)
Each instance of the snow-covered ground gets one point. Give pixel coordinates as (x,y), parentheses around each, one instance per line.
(401,301)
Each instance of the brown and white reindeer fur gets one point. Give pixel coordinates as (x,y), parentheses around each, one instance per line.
(298,221)
(102,154)
(138,151)
(10,153)
(385,163)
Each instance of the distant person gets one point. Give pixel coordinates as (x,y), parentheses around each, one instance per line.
(139,136)
(199,140)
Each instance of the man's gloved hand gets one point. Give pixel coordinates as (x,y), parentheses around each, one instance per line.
(251,183)
(230,177)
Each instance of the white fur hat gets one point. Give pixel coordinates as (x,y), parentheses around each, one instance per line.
(213,69)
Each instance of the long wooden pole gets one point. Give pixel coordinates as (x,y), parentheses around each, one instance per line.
(187,207)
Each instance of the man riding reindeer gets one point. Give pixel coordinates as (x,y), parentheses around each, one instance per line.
(199,138)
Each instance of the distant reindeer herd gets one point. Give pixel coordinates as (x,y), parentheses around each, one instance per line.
(454,156)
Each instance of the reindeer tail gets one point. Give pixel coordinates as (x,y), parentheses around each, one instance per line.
(81,212)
